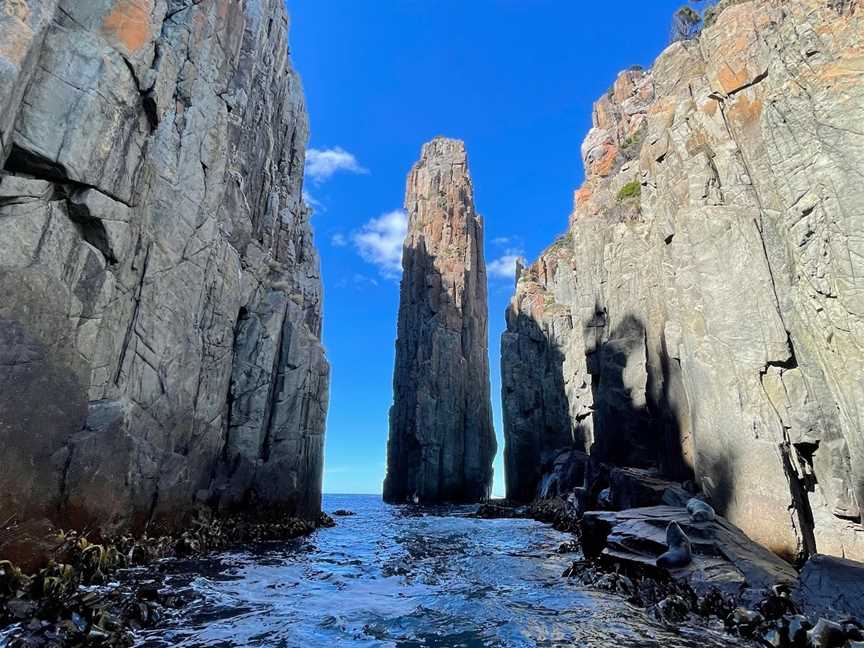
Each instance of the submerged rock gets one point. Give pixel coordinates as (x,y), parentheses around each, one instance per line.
(441,443)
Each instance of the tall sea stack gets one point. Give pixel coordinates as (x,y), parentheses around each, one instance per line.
(442,442)
(161,314)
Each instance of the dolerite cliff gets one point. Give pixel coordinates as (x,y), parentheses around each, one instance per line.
(703,315)
(161,311)
(441,443)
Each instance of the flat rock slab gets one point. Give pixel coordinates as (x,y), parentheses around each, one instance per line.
(831,587)
(723,557)
(634,487)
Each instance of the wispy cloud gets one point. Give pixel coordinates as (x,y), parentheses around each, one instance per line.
(338,240)
(379,242)
(504,267)
(322,164)
(357,281)
(501,241)
(313,202)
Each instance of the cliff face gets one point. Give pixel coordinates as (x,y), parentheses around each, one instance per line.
(441,442)
(704,312)
(161,311)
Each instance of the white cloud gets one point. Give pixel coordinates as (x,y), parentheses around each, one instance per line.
(379,242)
(321,164)
(338,240)
(501,241)
(504,267)
(363,280)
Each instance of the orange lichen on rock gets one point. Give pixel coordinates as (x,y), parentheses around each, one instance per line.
(129,24)
(731,80)
(709,107)
(603,167)
(604,116)
(624,87)
(851,67)
(745,112)
(581,196)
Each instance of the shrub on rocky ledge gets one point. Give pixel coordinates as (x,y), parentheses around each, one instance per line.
(630,190)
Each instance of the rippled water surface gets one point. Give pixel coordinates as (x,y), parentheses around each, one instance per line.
(406,577)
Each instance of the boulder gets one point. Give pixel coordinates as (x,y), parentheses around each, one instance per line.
(637,488)
(723,558)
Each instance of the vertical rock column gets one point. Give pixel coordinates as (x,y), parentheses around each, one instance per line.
(442,442)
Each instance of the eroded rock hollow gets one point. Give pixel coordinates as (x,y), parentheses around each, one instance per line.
(703,315)
(161,313)
(441,442)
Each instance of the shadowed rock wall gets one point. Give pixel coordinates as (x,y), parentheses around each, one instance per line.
(704,312)
(441,442)
(161,314)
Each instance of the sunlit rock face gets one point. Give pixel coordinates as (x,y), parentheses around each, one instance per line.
(441,442)
(161,313)
(703,314)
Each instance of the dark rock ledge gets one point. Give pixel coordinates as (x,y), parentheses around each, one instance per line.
(619,517)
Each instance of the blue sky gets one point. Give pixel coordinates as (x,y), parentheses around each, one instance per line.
(516,81)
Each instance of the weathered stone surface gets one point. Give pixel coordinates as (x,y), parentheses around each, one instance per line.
(161,314)
(723,558)
(441,442)
(831,587)
(703,313)
(635,488)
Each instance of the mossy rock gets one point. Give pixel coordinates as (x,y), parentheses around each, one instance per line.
(630,191)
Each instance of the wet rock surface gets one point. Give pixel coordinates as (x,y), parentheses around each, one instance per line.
(159,281)
(685,564)
(441,442)
(723,558)
(832,587)
(100,593)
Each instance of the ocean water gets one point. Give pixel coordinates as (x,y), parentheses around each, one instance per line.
(406,577)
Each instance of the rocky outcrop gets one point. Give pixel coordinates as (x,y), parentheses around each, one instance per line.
(723,558)
(161,313)
(441,442)
(703,316)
